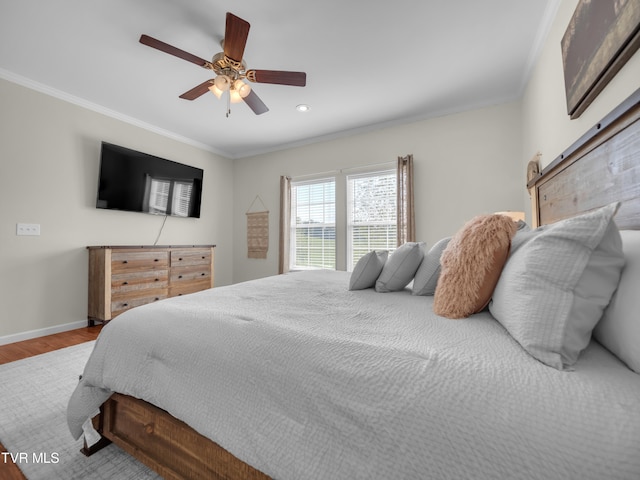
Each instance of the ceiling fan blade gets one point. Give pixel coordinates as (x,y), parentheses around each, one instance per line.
(171,50)
(235,37)
(197,91)
(279,77)
(255,103)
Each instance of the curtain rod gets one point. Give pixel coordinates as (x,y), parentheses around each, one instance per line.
(344,170)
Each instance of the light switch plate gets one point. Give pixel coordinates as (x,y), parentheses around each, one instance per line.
(28,229)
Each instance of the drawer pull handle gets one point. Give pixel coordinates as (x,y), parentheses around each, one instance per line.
(180,259)
(157,298)
(156,259)
(203,274)
(179,276)
(149,428)
(157,280)
(125,283)
(125,261)
(125,304)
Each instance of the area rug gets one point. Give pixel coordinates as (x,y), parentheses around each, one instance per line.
(33,427)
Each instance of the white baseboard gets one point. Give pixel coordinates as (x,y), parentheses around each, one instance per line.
(41,332)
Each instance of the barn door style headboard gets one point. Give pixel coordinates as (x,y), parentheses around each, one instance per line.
(602,167)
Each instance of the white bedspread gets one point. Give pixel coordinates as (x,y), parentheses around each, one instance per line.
(303,379)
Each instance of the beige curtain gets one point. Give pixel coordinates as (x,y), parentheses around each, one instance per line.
(406,214)
(285,218)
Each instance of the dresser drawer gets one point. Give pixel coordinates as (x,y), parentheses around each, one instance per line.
(133,260)
(136,281)
(177,289)
(192,256)
(122,302)
(190,273)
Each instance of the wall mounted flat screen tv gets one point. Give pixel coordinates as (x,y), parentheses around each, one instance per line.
(138,182)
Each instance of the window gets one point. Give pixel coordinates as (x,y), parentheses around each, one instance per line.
(371,214)
(334,221)
(313,224)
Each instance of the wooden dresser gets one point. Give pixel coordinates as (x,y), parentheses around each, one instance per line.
(123,277)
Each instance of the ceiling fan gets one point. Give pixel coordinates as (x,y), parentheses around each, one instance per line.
(231,71)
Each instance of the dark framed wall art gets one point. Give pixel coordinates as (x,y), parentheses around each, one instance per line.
(602,35)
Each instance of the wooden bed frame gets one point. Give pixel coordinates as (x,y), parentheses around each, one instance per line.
(602,167)
(608,156)
(164,443)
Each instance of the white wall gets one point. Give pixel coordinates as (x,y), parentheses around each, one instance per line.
(545,124)
(465,164)
(49,160)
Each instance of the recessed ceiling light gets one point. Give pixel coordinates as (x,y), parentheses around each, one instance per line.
(303,108)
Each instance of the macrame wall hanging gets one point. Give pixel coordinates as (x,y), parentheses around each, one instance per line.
(257,231)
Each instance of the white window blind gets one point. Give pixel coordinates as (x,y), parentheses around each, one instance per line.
(159,196)
(371,214)
(163,196)
(313,224)
(181,199)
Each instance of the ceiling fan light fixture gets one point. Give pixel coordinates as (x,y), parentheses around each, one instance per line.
(234,96)
(222,83)
(242,88)
(215,90)
(303,107)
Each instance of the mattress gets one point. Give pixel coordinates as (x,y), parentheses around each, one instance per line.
(303,379)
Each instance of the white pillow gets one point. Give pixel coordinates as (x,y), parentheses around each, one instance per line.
(426,277)
(556,285)
(619,329)
(367,270)
(400,267)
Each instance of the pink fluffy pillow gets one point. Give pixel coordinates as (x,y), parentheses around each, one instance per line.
(471,265)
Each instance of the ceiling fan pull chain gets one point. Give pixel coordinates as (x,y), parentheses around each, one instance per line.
(228,103)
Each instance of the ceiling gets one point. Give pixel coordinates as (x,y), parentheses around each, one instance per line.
(368,64)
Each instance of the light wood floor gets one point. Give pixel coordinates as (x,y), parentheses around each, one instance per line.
(36,346)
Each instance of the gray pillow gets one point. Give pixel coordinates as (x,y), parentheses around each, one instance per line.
(556,285)
(367,270)
(619,329)
(523,226)
(426,277)
(400,267)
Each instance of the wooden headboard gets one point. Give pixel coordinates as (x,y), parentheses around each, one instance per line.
(602,167)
